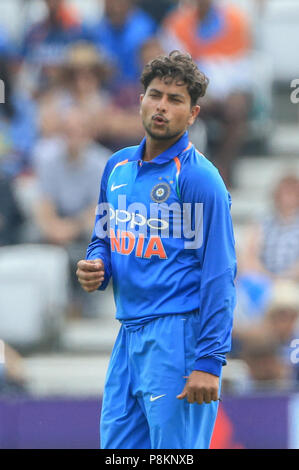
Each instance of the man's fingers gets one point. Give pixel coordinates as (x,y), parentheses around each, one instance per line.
(92,283)
(91,287)
(90,265)
(191,396)
(89,276)
(182,395)
(214,395)
(90,273)
(207,396)
(89,282)
(97,262)
(198,396)
(203,398)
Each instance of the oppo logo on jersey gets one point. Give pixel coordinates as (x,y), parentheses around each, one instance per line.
(125,242)
(165,221)
(121,216)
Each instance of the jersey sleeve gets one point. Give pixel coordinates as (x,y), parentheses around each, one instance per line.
(99,246)
(216,263)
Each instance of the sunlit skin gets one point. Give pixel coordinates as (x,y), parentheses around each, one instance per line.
(166,113)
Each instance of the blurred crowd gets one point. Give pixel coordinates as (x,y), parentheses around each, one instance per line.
(72,98)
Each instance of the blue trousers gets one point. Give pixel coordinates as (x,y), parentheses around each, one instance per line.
(146,372)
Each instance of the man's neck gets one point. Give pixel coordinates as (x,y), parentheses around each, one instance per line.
(154,147)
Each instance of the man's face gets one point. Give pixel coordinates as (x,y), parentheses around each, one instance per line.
(166,110)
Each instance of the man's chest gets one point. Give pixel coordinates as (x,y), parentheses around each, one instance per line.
(144,204)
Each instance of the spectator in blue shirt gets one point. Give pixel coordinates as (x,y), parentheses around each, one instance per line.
(17,125)
(46,40)
(45,44)
(7,47)
(121,33)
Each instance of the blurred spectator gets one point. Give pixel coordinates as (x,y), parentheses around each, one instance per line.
(267,370)
(266,346)
(69,179)
(79,84)
(7,48)
(272,245)
(150,50)
(17,124)
(45,44)
(270,252)
(11,218)
(84,73)
(127,96)
(281,321)
(157,8)
(120,34)
(218,38)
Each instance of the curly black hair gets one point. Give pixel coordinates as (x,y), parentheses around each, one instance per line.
(180,67)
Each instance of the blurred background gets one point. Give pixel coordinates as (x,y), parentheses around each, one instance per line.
(69,92)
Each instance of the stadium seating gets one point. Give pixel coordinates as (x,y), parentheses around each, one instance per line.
(280,34)
(33,294)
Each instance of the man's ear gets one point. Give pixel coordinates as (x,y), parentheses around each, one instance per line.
(195,110)
(140,101)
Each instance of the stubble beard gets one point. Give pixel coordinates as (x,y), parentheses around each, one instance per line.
(168,135)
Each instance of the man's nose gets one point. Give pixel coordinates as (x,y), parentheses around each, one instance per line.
(162,105)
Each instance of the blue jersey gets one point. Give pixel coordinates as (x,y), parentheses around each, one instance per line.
(164,232)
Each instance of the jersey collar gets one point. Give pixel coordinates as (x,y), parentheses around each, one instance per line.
(168,154)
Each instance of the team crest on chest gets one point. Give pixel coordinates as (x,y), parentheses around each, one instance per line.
(160,192)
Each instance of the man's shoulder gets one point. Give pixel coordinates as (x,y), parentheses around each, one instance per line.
(195,163)
(198,171)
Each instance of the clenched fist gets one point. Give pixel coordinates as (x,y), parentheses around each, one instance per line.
(90,274)
(201,387)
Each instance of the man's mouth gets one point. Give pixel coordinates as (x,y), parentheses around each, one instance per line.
(159,119)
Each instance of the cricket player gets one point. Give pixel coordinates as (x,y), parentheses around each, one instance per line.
(163,232)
